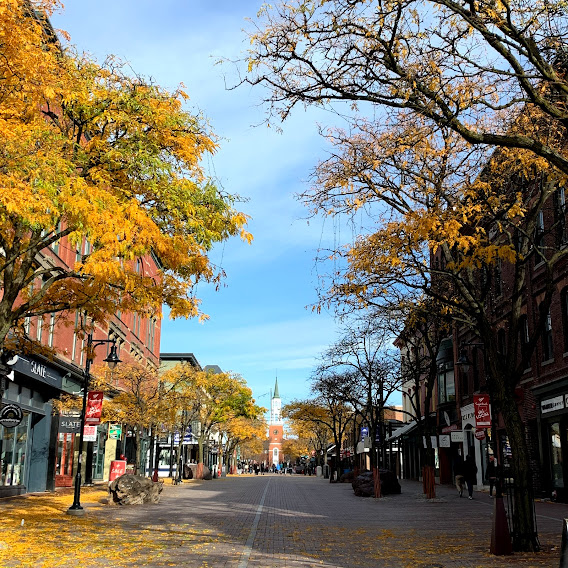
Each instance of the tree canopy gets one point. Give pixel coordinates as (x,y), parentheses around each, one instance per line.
(93,153)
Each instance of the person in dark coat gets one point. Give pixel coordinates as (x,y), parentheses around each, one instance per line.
(470,474)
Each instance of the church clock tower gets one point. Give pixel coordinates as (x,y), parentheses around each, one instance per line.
(275,429)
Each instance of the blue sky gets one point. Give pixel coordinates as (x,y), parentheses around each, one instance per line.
(259,326)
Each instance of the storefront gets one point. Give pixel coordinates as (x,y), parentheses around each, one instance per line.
(553,426)
(27,451)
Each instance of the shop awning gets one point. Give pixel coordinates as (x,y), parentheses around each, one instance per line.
(406,429)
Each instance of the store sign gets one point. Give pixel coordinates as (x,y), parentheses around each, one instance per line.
(444,440)
(115,431)
(94,408)
(187,439)
(482,410)
(39,371)
(11,415)
(433,441)
(480,434)
(117,468)
(90,434)
(552,404)
(457,437)
(69,423)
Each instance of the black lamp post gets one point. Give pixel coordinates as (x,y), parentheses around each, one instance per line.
(112,360)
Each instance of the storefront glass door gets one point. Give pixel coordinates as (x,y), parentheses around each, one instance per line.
(99,455)
(13,452)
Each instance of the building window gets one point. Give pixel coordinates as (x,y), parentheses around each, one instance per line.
(547,346)
(39,330)
(446,383)
(55,244)
(539,237)
(51,330)
(564,307)
(560,216)
(151,333)
(524,335)
(497,280)
(75,330)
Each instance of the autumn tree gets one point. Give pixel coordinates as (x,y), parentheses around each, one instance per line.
(326,410)
(181,399)
(462,151)
(239,431)
(223,397)
(92,153)
(134,399)
(293,448)
(305,437)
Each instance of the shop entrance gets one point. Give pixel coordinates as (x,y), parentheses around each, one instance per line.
(558,444)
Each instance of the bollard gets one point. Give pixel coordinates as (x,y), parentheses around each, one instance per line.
(564,549)
(500,537)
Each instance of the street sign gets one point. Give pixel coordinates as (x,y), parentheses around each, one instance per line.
(114,431)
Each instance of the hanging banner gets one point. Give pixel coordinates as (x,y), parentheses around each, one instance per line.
(482,410)
(94,408)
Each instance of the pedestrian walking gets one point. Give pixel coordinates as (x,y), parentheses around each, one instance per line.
(458,473)
(470,474)
(491,474)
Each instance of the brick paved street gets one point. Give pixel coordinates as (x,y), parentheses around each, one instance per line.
(298,521)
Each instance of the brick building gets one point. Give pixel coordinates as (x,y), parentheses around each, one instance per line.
(542,393)
(41,452)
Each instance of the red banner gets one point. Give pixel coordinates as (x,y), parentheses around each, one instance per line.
(94,408)
(482,410)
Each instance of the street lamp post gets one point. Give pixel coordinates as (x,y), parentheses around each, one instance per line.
(112,360)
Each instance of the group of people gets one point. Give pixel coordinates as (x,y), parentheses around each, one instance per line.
(466,473)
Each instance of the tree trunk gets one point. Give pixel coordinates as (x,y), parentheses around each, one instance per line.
(137,460)
(523,515)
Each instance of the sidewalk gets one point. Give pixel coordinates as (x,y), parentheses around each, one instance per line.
(269,521)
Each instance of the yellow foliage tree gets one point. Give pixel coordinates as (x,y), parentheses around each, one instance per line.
(91,153)
(239,431)
(210,398)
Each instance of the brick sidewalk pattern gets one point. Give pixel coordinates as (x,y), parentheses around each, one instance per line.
(295,521)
